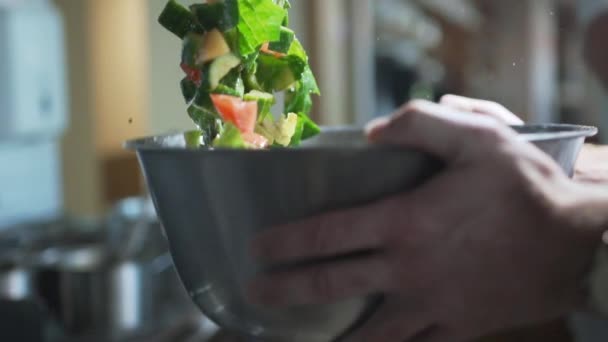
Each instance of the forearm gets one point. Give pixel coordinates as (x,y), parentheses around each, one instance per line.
(592,166)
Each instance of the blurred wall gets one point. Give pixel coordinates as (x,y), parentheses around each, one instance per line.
(107,50)
(118,42)
(80,164)
(167,107)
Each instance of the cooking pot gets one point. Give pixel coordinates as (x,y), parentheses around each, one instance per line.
(91,292)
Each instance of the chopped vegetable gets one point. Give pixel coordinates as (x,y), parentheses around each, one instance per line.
(216,15)
(265,102)
(259,22)
(178,20)
(230,137)
(189,89)
(214,46)
(192,73)
(236,55)
(298,99)
(208,122)
(214,71)
(280,132)
(242,114)
(284,43)
(193,139)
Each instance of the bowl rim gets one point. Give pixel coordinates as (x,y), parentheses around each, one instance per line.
(150,144)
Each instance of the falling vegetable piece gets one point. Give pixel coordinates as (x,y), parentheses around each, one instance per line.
(236,55)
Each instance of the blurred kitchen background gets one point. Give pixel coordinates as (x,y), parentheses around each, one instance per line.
(79,242)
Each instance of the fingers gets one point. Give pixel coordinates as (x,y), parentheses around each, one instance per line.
(439,130)
(392,322)
(323,283)
(327,235)
(489,108)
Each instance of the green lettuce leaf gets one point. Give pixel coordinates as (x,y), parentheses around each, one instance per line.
(298,99)
(259,22)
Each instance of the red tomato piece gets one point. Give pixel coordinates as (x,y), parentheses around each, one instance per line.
(240,113)
(194,74)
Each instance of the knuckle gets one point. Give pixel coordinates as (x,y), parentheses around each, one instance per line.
(493,105)
(489,131)
(415,106)
(448,98)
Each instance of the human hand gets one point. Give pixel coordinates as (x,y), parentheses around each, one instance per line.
(493,242)
(592,166)
(487,108)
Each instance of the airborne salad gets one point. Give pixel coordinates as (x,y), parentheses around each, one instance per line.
(236,56)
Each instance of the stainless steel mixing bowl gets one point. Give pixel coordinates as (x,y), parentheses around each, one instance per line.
(211,203)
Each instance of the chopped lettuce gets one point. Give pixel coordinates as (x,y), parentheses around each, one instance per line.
(309,127)
(298,98)
(277,74)
(243,49)
(259,22)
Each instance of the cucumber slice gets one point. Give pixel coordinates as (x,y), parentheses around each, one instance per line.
(215,71)
(193,139)
(225,90)
(230,137)
(265,102)
(218,15)
(189,89)
(179,20)
(234,81)
(284,44)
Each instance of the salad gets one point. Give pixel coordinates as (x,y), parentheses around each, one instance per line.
(236,56)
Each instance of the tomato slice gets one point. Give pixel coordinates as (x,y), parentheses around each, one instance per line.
(241,114)
(255,140)
(194,74)
(266,49)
